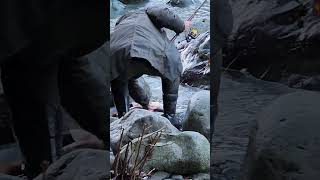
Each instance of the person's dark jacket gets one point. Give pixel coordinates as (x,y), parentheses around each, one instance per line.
(73,26)
(138,35)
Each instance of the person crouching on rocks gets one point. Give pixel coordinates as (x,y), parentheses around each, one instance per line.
(139,45)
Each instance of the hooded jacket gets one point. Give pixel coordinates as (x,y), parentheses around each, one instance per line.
(139,35)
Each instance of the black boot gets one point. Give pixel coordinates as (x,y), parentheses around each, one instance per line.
(169,107)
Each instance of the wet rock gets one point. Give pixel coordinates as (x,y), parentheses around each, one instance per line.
(229,157)
(195,59)
(201,176)
(159,175)
(112,119)
(304,82)
(7,177)
(198,114)
(177,177)
(288,141)
(312,83)
(116,8)
(132,1)
(84,164)
(273,36)
(181,3)
(182,153)
(133,123)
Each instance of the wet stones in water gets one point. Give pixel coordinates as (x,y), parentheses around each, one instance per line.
(198,114)
(195,76)
(289,149)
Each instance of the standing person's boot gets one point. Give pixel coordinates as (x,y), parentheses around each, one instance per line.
(170,102)
(170,97)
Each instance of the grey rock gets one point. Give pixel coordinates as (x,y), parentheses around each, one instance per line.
(84,164)
(181,3)
(229,156)
(177,177)
(159,175)
(112,119)
(265,35)
(198,114)
(181,153)
(201,176)
(133,123)
(288,141)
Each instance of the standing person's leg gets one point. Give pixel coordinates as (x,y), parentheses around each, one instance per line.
(215,86)
(119,89)
(31,90)
(84,94)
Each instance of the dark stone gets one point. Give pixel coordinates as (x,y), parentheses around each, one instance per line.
(274,36)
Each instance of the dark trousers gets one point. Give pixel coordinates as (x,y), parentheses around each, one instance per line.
(36,86)
(216,68)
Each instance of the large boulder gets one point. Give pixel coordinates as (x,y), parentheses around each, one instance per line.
(183,153)
(288,138)
(274,36)
(133,123)
(198,114)
(84,164)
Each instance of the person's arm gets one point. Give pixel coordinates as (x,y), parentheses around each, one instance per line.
(164,17)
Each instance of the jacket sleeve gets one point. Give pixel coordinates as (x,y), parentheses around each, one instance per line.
(163,17)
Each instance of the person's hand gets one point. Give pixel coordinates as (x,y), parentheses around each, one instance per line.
(187,25)
(153,106)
